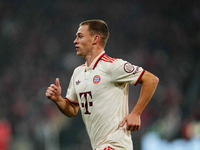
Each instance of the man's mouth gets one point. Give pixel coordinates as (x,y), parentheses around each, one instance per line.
(76,47)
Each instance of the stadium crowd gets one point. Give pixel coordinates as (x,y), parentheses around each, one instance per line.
(36,42)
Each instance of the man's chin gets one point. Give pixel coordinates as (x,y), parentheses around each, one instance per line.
(78,53)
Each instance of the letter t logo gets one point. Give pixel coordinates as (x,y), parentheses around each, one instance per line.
(85,104)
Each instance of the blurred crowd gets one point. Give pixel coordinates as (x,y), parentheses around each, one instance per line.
(36,46)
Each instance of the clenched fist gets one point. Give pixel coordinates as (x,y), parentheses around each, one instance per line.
(54,91)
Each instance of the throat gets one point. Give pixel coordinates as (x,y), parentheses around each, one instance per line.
(89,60)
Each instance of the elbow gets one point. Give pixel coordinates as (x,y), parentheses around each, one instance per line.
(73,112)
(150,80)
(71,115)
(155,80)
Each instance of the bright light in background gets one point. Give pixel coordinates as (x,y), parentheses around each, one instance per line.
(152,141)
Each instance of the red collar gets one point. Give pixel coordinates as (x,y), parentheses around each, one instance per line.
(98,60)
(95,62)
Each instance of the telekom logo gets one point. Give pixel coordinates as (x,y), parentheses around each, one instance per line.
(85,103)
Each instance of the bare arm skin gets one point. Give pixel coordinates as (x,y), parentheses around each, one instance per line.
(149,83)
(54,93)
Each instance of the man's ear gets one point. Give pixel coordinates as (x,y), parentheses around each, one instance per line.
(96,39)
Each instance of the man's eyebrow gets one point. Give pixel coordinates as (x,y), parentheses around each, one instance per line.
(78,33)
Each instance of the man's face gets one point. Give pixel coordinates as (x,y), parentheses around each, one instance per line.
(84,41)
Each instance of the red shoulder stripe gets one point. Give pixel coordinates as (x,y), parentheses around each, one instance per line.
(106,58)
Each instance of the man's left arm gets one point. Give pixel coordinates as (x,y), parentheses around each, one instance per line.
(149,83)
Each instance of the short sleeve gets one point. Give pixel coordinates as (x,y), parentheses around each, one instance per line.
(71,93)
(124,72)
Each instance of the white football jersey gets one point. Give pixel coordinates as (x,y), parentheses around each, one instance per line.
(101,90)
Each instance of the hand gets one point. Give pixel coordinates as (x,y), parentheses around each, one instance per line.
(133,122)
(54,91)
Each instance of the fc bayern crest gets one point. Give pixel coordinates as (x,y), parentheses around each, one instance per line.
(128,67)
(96,79)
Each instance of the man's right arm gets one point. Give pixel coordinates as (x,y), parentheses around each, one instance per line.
(54,93)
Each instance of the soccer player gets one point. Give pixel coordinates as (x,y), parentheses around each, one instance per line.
(100,89)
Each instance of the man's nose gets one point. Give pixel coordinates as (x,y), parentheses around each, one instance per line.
(75,41)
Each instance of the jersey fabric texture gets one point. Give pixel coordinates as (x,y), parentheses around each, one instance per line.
(101,90)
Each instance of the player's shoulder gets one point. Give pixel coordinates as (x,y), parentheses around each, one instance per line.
(107,59)
(79,68)
(109,64)
(112,61)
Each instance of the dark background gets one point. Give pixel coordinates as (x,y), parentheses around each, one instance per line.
(36,46)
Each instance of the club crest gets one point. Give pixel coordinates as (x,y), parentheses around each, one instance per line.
(96,79)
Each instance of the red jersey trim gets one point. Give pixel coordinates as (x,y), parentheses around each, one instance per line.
(71,101)
(98,60)
(108,148)
(106,58)
(139,77)
(82,65)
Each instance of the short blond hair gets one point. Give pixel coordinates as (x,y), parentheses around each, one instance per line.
(99,27)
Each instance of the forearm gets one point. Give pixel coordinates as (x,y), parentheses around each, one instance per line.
(66,107)
(149,84)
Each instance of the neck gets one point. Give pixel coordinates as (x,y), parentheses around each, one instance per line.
(89,58)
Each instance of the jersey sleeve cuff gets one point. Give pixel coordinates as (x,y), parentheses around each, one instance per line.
(139,77)
(71,101)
